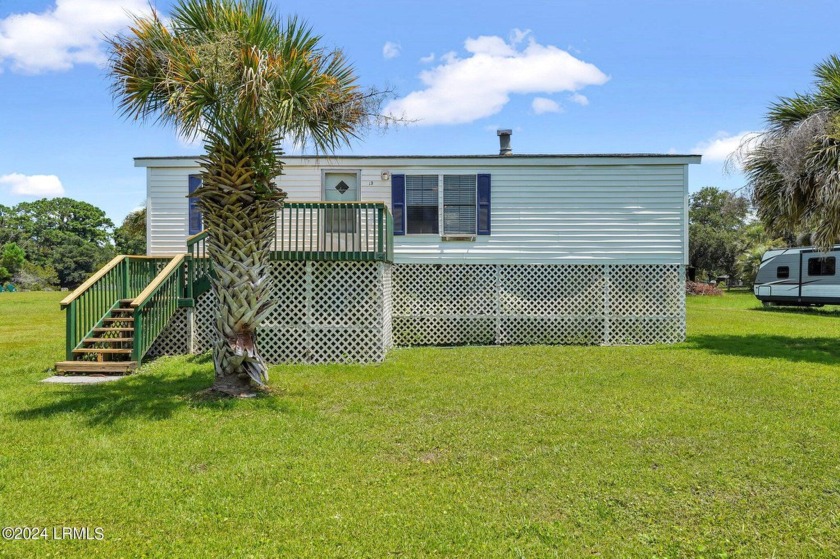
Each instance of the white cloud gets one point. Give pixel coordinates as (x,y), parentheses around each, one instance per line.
(36,186)
(64,35)
(490,45)
(542,105)
(518,35)
(578,98)
(449,57)
(428,59)
(461,90)
(722,145)
(391,50)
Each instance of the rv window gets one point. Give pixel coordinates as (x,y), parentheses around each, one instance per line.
(783,272)
(821,266)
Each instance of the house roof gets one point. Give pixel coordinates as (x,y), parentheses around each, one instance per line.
(519,159)
(485,156)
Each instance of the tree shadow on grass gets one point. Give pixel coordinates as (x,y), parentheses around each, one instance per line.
(826,312)
(824,351)
(154,395)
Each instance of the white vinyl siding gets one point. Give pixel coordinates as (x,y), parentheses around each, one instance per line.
(167,209)
(578,214)
(563,210)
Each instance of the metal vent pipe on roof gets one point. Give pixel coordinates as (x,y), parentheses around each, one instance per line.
(504,142)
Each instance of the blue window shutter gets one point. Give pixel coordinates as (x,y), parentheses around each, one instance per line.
(195,225)
(398,203)
(483,203)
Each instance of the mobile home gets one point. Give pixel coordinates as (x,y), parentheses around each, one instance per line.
(372,252)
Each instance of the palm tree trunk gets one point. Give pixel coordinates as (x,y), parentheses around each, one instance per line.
(241,229)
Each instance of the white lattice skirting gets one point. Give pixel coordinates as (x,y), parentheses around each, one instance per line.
(327,312)
(355,311)
(537,304)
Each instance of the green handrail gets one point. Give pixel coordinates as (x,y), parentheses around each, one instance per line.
(87,307)
(333,231)
(348,231)
(156,304)
(198,266)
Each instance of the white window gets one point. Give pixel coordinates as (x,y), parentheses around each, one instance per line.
(459,204)
(421,201)
(423,204)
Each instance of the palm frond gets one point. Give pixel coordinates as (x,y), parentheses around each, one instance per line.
(794,170)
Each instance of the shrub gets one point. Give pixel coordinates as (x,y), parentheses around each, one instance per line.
(696,288)
(36,278)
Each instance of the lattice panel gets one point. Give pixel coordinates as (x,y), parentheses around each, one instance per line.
(174,340)
(204,328)
(645,290)
(444,290)
(551,290)
(326,312)
(436,304)
(551,330)
(341,345)
(647,304)
(432,330)
(387,308)
(290,292)
(346,294)
(537,304)
(355,311)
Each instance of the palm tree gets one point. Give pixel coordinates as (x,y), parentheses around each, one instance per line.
(232,73)
(793,167)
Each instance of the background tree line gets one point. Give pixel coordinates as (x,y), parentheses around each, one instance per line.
(59,242)
(726,239)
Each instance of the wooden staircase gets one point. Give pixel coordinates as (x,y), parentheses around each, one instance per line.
(115,316)
(107,348)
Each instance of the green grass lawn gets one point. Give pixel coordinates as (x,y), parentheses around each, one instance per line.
(727,445)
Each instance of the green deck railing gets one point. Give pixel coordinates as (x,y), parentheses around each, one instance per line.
(313,231)
(124,277)
(156,304)
(351,231)
(198,265)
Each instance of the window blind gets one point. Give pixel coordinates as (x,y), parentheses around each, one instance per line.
(459,204)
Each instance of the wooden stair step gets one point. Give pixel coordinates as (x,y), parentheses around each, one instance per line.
(104,340)
(110,350)
(113,329)
(122,311)
(115,367)
(126,300)
(119,320)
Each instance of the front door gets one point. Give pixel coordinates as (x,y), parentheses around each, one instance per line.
(340,223)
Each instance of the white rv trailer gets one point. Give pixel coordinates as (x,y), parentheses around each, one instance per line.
(798,276)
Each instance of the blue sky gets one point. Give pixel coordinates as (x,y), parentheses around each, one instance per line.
(566,76)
